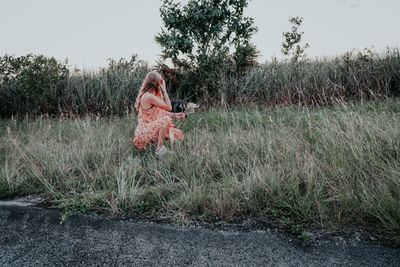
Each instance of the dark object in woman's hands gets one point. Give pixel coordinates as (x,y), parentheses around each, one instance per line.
(178,105)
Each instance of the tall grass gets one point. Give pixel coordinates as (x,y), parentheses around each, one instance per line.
(355,75)
(319,82)
(109,91)
(293,166)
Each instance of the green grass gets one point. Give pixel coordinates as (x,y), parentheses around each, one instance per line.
(331,167)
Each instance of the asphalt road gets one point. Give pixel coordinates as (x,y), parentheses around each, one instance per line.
(31,236)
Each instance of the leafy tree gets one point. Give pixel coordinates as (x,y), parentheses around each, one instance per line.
(291,46)
(205,36)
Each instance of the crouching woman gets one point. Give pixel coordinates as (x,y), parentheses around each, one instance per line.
(154,120)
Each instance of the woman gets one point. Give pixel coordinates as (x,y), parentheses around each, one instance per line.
(155,123)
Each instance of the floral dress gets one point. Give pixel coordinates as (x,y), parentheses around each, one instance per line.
(150,122)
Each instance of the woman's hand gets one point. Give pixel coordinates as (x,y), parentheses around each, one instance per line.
(180,115)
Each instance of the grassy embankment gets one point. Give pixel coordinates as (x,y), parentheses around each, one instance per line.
(294,166)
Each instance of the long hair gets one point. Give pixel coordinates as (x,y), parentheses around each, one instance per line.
(150,83)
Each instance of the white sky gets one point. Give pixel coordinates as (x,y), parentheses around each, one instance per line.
(87,32)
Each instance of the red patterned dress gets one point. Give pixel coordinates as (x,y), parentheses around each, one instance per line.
(150,122)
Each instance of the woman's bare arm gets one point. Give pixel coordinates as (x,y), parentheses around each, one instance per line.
(175,115)
(155,101)
(150,99)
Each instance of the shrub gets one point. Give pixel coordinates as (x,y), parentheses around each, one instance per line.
(35,81)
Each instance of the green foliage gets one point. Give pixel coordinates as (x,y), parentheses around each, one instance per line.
(291,46)
(112,90)
(198,38)
(35,80)
(204,29)
(35,85)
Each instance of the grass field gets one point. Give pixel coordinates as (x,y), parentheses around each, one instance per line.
(295,167)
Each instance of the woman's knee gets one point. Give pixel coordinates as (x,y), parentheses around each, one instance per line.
(167,120)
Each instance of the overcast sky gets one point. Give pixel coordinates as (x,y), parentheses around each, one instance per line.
(87,32)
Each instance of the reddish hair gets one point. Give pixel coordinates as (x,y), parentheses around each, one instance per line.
(150,83)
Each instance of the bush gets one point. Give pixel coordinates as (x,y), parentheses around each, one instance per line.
(31,83)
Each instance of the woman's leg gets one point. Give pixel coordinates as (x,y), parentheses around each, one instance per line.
(165,129)
(161,136)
